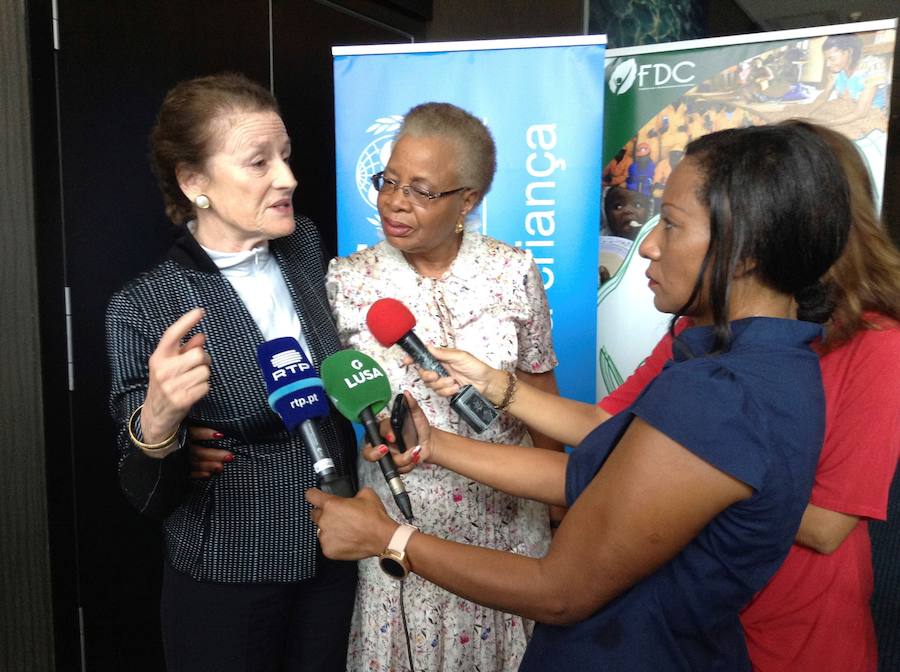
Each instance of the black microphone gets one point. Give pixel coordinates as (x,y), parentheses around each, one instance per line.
(391,322)
(297,395)
(359,388)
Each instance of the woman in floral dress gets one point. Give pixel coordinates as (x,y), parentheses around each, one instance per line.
(467,291)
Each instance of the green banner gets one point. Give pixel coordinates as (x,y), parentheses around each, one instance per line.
(661,97)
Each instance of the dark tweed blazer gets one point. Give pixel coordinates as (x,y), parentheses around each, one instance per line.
(250,523)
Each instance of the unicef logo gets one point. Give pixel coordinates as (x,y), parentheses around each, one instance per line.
(623,76)
(374,156)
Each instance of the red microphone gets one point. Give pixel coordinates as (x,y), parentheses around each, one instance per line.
(391,322)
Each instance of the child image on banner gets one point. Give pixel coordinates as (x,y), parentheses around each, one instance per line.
(637,174)
(625,211)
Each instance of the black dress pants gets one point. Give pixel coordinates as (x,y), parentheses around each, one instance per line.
(268,627)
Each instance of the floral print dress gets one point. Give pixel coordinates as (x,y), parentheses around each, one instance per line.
(490,302)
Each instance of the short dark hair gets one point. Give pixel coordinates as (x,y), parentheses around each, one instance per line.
(476,151)
(849,42)
(777,197)
(185,128)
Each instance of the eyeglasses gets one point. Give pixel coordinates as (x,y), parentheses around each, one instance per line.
(415,194)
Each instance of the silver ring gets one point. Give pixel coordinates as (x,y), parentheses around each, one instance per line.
(318,531)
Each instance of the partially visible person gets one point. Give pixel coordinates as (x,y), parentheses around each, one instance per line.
(616,171)
(245,586)
(699,124)
(664,169)
(815,612)
(757,88)
(852,77)
(686,503)
(470,291)
(640,172)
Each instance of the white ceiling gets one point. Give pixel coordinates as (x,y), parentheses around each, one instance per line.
(786,14)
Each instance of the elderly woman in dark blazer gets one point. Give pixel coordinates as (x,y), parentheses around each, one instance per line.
(245,585)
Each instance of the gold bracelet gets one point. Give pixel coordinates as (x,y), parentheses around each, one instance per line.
(508,396)
(165,443)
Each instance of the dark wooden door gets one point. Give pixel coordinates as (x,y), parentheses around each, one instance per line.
(114,64)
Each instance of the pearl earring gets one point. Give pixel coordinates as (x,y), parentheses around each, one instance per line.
(202,201)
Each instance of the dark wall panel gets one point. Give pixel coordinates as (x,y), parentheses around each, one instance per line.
(26,632)
(478,20)
(304,86)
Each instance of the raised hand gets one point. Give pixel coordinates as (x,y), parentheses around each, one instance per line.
(179,378)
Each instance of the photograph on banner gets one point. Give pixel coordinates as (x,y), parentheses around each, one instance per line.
(660,98)
(542,100)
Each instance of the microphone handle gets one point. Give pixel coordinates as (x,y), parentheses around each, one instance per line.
(417,350)
(322,462)
(469,404)
(388,468)
(327,476)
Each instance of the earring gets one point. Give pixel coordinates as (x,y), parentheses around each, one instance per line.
(201,201)
(461,224)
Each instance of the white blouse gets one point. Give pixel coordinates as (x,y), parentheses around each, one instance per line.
(257,279)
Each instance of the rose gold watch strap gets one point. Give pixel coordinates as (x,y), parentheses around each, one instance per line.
(401,537)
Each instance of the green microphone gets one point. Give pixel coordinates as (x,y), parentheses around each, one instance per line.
(359,388)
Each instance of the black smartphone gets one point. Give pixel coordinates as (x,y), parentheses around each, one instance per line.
(402,423)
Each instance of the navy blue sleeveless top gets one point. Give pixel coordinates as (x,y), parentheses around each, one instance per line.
(755,412)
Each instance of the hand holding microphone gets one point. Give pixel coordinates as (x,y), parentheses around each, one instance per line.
(463,368)
(359,389)
(391,322)
(297,395)
(414,433)
(351,529)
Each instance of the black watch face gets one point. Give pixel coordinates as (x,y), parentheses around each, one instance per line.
(393,568)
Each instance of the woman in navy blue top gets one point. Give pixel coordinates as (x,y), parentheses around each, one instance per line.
(685,504)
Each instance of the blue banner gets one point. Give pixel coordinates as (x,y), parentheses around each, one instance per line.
(543,101)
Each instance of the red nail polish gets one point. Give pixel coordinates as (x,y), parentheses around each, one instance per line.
(416,454)
(229,457)
(391,438)
(383,449)
(218,435)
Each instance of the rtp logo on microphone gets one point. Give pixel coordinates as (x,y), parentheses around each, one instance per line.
(287,362)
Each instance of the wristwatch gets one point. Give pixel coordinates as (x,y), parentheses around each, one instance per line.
(393,560)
